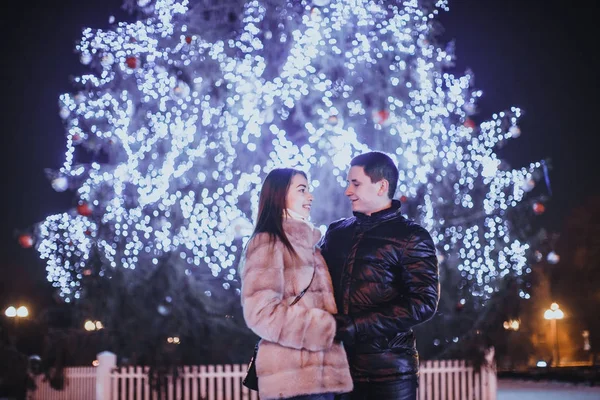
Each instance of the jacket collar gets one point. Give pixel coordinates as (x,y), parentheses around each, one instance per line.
(379,216)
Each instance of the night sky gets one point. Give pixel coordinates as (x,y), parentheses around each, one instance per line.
(531,54)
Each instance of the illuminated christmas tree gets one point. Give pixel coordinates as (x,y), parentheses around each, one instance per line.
(188,108)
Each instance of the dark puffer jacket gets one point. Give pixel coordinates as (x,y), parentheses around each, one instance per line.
(385,280)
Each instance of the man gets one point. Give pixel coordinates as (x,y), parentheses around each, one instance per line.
(385,279)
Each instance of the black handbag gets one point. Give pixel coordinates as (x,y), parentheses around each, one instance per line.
(251,379)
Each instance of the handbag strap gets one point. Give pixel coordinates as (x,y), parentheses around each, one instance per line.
(297,299)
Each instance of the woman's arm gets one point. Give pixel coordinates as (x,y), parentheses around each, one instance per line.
(265,310)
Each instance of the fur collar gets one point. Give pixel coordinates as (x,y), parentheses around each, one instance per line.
(300,233)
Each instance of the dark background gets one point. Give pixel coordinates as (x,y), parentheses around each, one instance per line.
(536,55)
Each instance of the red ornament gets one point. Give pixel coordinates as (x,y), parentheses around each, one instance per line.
(131,62)
(469,123)
(332,120)
(25,240)
(84,209)
(381,116)
(403,199)
(538,208)
(188,39)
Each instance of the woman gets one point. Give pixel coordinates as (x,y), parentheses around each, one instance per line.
(297,356)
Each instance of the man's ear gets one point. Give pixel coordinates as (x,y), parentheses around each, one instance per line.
(383,189)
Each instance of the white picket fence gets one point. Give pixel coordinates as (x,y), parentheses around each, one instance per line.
(439,380)
(455,380)
(81,384)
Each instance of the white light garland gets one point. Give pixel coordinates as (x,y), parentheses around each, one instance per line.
(189,129)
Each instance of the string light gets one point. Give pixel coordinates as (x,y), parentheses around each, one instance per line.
(189,127)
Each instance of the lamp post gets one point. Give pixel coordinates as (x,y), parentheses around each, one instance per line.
(553,314)
(16,314)
(512,327)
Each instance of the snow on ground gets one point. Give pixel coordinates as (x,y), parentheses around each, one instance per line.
(509,389)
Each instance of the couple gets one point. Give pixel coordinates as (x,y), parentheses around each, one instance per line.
(335,317)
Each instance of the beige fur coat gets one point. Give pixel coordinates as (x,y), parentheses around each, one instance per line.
(297,354)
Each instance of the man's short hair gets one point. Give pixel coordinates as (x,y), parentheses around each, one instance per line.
(378,166)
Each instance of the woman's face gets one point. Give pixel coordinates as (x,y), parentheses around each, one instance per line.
(298,198)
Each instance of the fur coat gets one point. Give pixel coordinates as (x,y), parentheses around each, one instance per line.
(297,354)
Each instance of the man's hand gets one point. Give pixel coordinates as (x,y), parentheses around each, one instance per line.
(345,329)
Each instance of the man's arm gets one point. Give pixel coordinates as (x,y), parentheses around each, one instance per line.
(417,304)
(323,245)
(331,252)
(325,242)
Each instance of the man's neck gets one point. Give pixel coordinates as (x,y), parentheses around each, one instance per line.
(383,207)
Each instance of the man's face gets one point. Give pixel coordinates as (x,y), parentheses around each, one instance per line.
(366,197)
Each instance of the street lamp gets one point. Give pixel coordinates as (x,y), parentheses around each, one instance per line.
(16,314)
(12,312)
(173,340)
(512,325)
(554,314)
(92,325)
